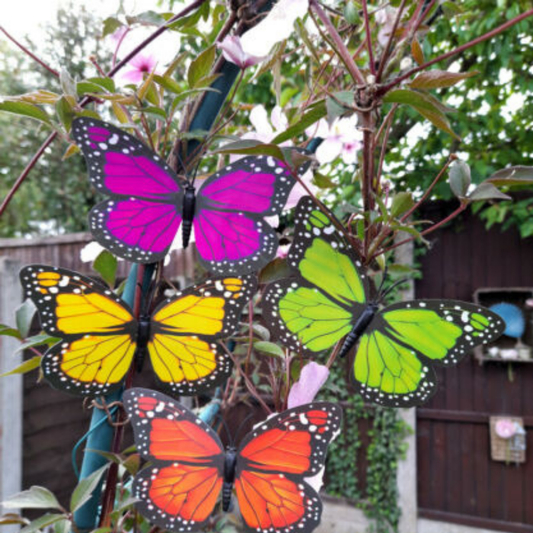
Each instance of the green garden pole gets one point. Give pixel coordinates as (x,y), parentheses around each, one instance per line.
(101,436)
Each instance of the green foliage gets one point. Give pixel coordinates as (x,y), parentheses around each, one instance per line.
(387,446)
(57,195)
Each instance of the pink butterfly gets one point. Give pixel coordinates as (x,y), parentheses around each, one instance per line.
(148,202)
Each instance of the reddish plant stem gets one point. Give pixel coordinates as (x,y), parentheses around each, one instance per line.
(88,99)
(386,127)
(496,31)
(451,158)
(50,139)
(342,50)
(249,385)
(367,184)
(436,226)
(368,37)
(29,53)
(423,16)
(386,51)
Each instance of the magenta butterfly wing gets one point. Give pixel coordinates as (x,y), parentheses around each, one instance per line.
(141,218)
(144,212)
(230,230)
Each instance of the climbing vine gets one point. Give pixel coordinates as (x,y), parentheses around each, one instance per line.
(379,499)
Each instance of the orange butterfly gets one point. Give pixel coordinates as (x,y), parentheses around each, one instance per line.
(268,472)
(100,335)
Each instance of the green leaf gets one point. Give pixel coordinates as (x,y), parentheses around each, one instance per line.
(27,366)
(261,331)
(26,110)
(351,13)
(111,25)
(339,104)
(276,269)
(191,92)
(37,340)
(425,104)
(312,115)
(132,463)
(156,111)
(106,265)
(102,530)
(251,147)
(63,526)
(42,522)
(168,83)
(33,498)
(401,203)
(24,316)
(8,331)
(201,66)
(439,120)
(487,191)
(84,489)
(67,83)
(269,348)
(459,178)
(323,181)
(436,79)
(65,112)
(512,176)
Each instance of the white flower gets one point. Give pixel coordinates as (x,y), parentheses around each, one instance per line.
(385,18)
(232,50)
(266,129)
(161,50)
(91,251)
(341,139)
(274,28)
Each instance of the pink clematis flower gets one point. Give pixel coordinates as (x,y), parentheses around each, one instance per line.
(159,53)
(232,50)
(140,65)
(267,128)
(341,139)
(312,377)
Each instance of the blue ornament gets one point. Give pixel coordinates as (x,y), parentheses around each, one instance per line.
(513,317)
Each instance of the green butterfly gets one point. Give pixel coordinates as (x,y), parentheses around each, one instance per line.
(327,300)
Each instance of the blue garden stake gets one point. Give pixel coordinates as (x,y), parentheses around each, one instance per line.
(100,434)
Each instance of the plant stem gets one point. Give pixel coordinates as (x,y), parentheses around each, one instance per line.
(342,50)
(451,158)
(88,99)
(386,88)
(368,37)
(367,183)
(386,52)
(26,171)
(436,226)
(29,53)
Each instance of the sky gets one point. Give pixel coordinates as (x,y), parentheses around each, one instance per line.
(26,16)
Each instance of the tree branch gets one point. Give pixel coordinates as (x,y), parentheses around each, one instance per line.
(386,88)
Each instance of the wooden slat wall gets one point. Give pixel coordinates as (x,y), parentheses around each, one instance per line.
(457,480)
(54,421)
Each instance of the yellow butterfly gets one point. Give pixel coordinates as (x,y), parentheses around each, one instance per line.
(100,336)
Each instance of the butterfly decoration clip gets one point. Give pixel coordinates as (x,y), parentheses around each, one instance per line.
(189,467)
(148,202)
(100,338)
(327,299)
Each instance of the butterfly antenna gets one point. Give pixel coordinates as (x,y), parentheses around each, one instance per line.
(224,424)
(194,174)
(380,289)
(241,426)
(182,165)
(392,287)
